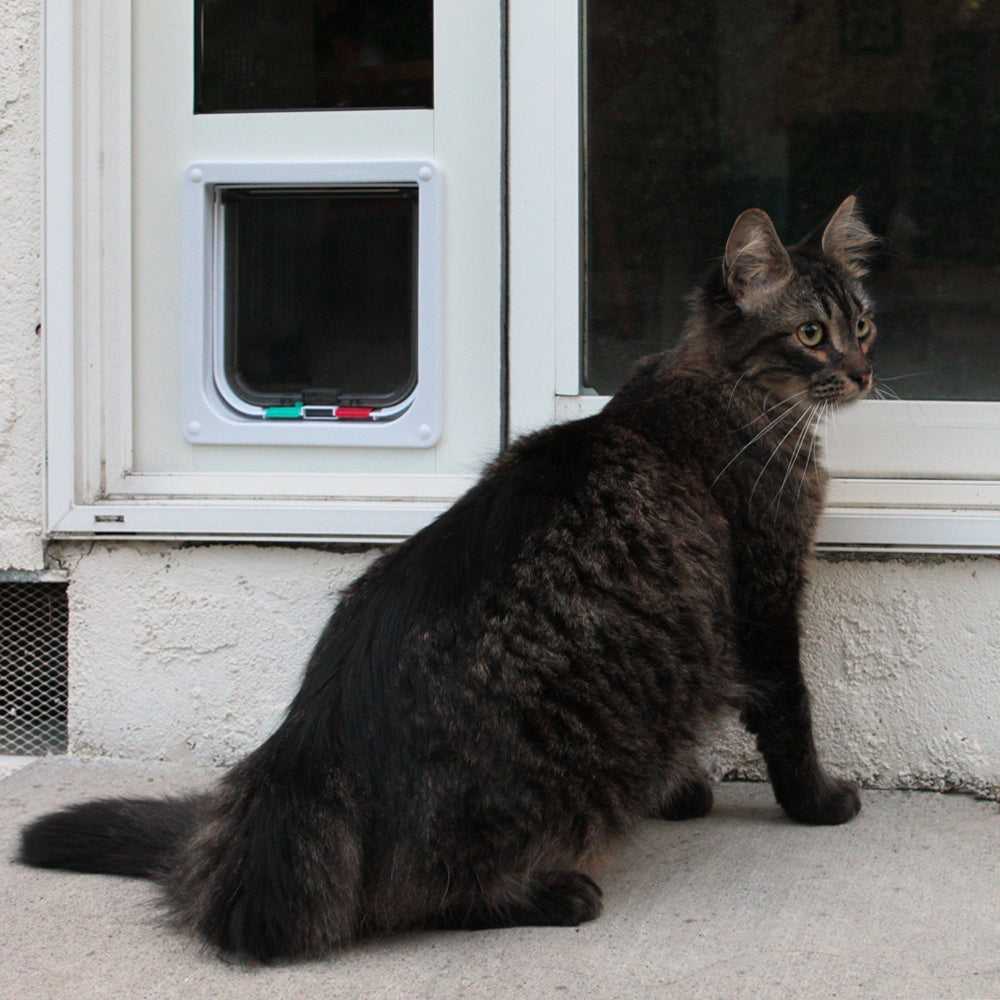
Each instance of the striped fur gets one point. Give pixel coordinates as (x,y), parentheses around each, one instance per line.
(499,699)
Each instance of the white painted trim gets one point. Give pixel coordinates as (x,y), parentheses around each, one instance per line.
(301,486)
(575,407)
(953,515)
(888,491)
(902,530)
(116,256)
(899,530)
(103,254)
(915,494)
(86,207)
(369,520)
(58,211)
(568,244)
(89,266)
(531,172)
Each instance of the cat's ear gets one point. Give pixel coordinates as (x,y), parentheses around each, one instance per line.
(847,240)
(756,263)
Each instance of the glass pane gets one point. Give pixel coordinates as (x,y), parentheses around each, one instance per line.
(695,110)
(320,295)
(287,55)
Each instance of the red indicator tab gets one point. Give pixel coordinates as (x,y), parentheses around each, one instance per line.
(353,412)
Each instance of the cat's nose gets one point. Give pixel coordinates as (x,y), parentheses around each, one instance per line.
(862,378)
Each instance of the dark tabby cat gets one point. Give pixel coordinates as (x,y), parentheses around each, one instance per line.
(500,697)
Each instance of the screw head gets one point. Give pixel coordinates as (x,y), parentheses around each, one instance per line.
(196,175)
(424,432)
(426,172)
(194,428)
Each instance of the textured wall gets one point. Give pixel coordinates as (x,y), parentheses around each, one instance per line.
(181,653)
(191,653)
(902,659)
(21,418)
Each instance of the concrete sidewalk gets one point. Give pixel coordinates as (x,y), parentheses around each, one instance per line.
(903,903)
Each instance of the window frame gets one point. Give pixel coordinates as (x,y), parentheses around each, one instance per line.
(92,486)
(922,481)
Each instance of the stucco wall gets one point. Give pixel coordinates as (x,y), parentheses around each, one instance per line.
(20,253)
(902,659)
(192,653)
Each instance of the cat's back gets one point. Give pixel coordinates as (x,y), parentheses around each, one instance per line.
(627,482)
(590,521)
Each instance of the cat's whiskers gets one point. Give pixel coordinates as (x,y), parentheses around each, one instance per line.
(896,378)
(788,402)
(823,408)
(777,420)
(732,392)
(775,405)
(884,392)
(777,448)
(810,413)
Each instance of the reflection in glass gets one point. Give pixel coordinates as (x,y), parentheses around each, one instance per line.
(287,55)
(320,294)
(694,114)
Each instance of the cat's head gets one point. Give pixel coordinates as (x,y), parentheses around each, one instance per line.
(794,320)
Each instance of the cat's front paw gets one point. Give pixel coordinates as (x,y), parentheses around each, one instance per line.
(827,803)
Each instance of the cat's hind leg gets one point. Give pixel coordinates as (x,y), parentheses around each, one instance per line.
(542,899)
(685,792)
(691,799)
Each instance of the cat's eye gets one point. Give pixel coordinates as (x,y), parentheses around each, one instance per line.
(810,334)
(864,328)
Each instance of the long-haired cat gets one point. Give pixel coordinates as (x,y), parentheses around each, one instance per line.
(500,697)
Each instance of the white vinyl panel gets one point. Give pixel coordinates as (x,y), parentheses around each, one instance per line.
(89,273)
(533,171)
(462,134)
(467,145)
(368,520)
(567,194)
(890,440)
(58,262)
(919,440)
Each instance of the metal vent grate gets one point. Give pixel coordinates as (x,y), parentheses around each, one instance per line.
(33,667)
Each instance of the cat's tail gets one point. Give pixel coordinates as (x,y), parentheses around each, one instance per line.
(135,837)
(255,868)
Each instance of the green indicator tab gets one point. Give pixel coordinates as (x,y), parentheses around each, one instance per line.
(283,412)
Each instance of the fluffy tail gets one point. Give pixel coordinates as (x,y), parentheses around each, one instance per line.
(274,872)
(134,837)
(259,869)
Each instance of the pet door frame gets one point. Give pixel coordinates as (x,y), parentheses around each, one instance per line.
(905,476)
(212,411)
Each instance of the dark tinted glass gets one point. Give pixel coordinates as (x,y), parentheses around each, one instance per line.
(695,111)
(287,55)
(320,295)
